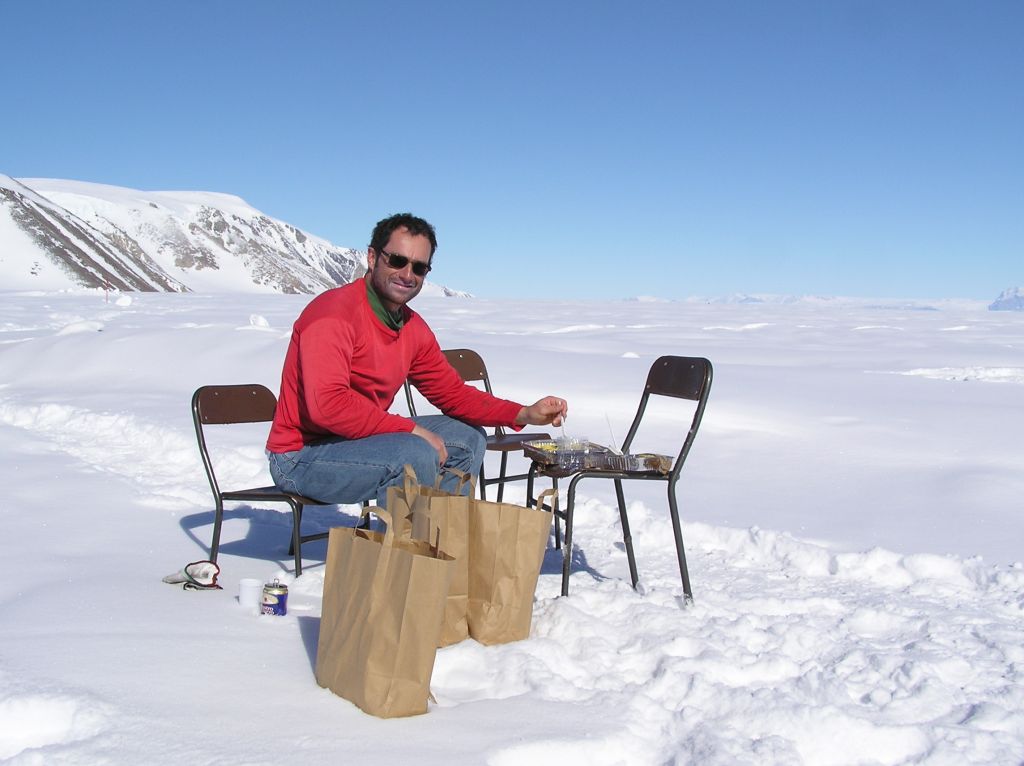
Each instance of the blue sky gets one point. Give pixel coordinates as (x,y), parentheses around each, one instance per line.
(578,149)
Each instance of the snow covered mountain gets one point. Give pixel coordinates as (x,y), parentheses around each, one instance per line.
(57,234)
(1011,299)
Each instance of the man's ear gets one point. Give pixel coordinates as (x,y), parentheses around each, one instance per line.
(371,258)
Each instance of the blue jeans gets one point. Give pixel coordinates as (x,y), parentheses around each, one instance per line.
(345,471)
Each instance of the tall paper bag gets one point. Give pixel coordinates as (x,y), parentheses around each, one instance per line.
(506,551)
(448,514)
(383,606)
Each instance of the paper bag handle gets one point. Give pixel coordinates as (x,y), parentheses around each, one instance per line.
(410,483)
(389,528)
(553,494)
(464,479)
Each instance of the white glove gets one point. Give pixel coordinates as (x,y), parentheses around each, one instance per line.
(199,575)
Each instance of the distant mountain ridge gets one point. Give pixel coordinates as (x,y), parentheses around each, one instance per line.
(1011,299)
(57,234)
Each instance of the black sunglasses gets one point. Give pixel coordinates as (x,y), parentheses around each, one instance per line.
(398,262)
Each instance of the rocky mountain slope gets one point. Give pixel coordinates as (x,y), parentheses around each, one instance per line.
(57,234)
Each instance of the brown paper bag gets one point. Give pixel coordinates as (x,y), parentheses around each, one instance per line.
(506,550)
(421,506)
(383,606)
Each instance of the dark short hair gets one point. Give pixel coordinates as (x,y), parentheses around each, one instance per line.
(416,226)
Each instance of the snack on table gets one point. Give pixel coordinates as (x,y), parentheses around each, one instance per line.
(562,457)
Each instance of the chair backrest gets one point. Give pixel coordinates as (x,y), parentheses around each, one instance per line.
(225,405)
(471,368)
(222,405)
(681,377)
(467,363)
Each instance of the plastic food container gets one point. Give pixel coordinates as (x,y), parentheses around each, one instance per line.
(562,457)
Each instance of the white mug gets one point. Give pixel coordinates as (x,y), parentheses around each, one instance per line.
(250,593)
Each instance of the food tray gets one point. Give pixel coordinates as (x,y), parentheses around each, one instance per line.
(558,457)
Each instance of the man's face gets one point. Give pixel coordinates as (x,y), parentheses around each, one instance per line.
(396,287)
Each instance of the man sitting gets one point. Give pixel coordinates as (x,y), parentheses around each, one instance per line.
(351,350)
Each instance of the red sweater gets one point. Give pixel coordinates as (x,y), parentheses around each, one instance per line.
(344,367)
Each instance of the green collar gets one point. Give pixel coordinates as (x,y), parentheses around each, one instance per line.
(392,319)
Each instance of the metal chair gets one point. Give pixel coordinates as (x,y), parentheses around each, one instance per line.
(679,377)
(471,368)
(235,404)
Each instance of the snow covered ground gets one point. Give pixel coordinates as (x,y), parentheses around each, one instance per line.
(852,514)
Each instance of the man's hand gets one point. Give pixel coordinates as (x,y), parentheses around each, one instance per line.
(435,441)
(547,411)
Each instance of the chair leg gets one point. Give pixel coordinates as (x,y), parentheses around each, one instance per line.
(627,538)
(296,535)
(364,523)
(680,552)
(218,518)
(567,547)
(558,521)
(481,482)
(292,543)
(531,502)
(501,475)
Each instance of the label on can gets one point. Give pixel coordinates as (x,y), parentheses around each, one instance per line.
(275,599)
